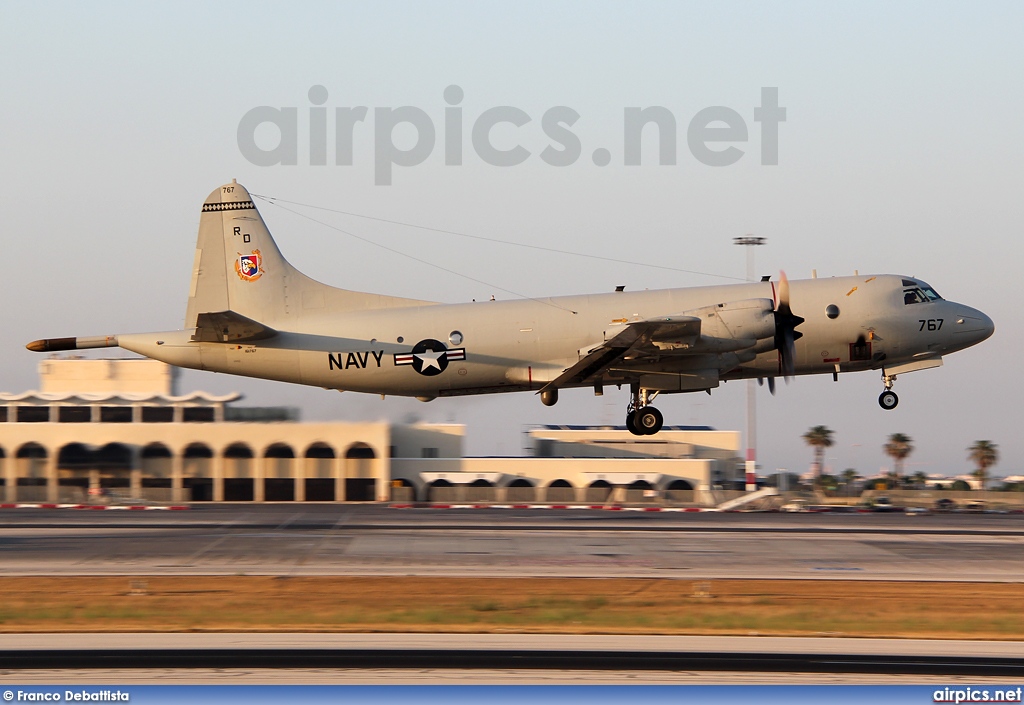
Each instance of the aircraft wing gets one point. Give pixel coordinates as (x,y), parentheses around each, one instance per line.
(229,327)
(748,324)
(639,336)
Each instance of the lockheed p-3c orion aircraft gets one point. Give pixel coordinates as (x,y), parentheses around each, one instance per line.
(251,313)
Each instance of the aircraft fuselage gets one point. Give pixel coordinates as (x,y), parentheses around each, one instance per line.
(497,346)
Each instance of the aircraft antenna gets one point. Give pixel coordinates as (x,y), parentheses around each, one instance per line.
(413,257)
(273,200)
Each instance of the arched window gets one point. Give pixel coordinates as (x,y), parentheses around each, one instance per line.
(198,450)
(560,491)
(197,464)
(360,450)
(320,466)
(599,491)
(238,450)
(155,460)
(74,456)
(30,460)
(320,450)
(237,466)
(31,450)
(156,450)
(279,450)
(113,457)
(520,490)
(279,462)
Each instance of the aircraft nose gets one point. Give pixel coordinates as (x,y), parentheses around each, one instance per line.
(974,325)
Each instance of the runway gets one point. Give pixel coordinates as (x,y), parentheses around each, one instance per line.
(289,539)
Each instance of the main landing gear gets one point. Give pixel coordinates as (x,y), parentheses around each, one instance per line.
(641,419)
(888,399)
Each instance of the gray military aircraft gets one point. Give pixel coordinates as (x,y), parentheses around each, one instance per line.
(251,313)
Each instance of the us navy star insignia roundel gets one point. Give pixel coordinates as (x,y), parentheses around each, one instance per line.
(429,357)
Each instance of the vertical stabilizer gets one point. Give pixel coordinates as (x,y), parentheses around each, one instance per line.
(238,268)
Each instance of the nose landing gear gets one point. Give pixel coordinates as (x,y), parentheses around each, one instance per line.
(641,419)
(888,399)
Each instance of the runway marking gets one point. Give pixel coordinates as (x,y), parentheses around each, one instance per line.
(190,561)
(290,519)
(328,535)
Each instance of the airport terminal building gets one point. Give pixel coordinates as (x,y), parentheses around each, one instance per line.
(117,428)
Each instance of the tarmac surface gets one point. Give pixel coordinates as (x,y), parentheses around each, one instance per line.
(497,658)
(313,539)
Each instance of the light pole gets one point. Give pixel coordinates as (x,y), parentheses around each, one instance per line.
(750,242)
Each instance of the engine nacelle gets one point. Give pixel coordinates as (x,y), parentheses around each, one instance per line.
(735,325)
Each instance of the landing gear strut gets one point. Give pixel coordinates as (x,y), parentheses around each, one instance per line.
(641,419)
(888,399)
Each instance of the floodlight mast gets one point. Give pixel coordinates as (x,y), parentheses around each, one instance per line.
(751,241)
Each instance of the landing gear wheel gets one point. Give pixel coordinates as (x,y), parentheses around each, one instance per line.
(649,420)
(888,400)
(631,424)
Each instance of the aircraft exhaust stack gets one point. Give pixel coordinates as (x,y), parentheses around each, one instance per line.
(61,344)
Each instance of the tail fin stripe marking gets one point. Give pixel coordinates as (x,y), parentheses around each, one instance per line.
(237,206)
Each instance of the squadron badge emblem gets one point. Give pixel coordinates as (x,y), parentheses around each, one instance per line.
(249,267)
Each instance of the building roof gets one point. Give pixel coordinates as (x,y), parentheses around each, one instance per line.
(123,397)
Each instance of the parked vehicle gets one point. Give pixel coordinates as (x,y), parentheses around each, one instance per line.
(882,504)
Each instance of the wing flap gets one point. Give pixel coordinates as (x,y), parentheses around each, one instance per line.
(634,336)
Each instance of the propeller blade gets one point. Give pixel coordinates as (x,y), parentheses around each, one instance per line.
(783,305)
(787,354)
(771,385)
(786,333)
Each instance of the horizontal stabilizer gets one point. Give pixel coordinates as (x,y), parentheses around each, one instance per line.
(61,344)
(229,327)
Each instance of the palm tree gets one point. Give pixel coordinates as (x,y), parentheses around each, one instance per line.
(920,480)
(984,454)
(898,448)
(850,476)
(819,438)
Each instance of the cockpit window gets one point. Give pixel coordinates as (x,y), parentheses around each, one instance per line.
(913,296)
(920,294)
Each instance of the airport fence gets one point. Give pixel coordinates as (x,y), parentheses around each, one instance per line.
(32,494)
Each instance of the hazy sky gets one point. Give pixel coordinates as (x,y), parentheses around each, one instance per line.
(902,152)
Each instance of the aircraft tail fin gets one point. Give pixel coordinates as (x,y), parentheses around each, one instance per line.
(238,268)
